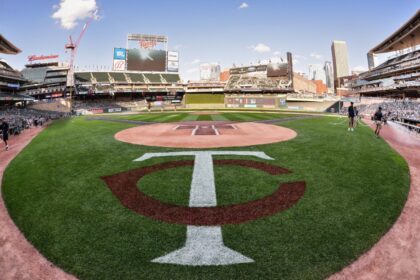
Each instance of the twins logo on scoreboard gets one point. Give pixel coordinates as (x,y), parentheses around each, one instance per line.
(203,217)
(119,65)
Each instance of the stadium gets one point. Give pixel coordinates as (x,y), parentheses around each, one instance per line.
(256,171)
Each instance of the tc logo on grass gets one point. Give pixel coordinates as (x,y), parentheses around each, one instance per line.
(204,244)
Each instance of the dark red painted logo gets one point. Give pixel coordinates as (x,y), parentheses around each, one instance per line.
(124,187)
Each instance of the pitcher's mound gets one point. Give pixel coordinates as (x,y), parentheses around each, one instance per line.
(215,134)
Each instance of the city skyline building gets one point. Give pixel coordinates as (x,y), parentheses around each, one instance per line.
(210,71)
(340,61)
(316,72)
(329,75)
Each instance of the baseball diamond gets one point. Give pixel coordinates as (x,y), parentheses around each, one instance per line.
(245,141)
(203,212)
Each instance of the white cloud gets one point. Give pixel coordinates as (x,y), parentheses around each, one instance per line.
(359,69)
(243,5)
(316,56)
(69,12)
(299,56)
(195,61)
(261,48)
(277,53)
(296,61)
(192,70)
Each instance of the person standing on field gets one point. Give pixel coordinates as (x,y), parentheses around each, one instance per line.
(378,118)
(351,115)
(5,133)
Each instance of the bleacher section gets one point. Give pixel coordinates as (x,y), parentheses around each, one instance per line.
(127,77)
(57,105)
(7,71)
(101,77)
(397,74)
(84,77)
(118,77)
(171,78)
(136,77)
(399,110)
(153,78)
(394,66)
(256,82)
(10,79)
(121,84)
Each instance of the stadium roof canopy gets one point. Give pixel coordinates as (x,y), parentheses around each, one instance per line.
(408,35)
(7,47)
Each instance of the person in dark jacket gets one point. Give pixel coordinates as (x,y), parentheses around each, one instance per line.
(378,119)
(351,115)
(5,133)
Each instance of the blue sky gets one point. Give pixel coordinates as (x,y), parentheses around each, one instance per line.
(210,30)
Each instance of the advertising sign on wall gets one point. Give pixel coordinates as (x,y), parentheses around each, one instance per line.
(118,65)
(120,53)
(252,102)
(173,61)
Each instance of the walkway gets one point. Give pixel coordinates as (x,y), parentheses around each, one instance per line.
(19,260)
(397,254)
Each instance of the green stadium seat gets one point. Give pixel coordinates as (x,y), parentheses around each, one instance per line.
(153,78)
(83,77)
(171,78)
(101,77)
(118,77)
(136,77)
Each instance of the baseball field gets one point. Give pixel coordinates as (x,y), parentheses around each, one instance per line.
(301,208)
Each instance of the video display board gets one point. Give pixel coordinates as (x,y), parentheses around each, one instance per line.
(255,102)
(249,69)
(277,69)
(146,60)
(147,52)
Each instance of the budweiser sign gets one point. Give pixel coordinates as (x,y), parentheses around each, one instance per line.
(147,44)
(42,57)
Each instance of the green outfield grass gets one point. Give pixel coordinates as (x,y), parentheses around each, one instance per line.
(204,98)
(356,188)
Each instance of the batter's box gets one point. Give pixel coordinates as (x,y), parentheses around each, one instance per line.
(179,127)
(206,129)
(225,126)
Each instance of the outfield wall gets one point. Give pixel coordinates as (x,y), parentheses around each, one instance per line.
(310,106)
(255,101)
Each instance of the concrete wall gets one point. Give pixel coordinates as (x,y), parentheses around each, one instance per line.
(301,84)
(310,106)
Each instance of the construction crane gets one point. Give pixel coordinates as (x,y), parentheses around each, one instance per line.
(72,47)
